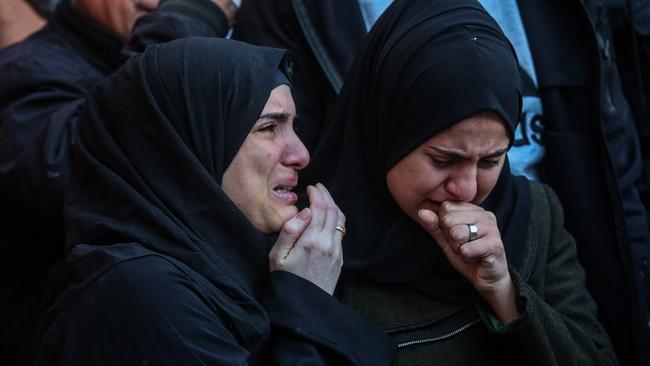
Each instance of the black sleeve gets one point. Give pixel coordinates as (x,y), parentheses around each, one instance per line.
(310,327)
(140,312)
(147,311)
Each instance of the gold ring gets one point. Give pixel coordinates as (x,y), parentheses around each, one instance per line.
(342,229)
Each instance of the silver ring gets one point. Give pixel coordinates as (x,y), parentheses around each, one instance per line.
(473,232)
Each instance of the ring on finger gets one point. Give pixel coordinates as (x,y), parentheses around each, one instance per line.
(473,232)
(342,229)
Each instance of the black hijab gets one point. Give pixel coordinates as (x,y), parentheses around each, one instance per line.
(152,146)
(426,65)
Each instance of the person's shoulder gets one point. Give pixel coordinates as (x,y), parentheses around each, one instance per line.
(122,274)
(145,305)
(141,276)
(47,54)
(543,197)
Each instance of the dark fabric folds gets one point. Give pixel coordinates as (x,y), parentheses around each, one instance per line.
(152,146)
(425,66)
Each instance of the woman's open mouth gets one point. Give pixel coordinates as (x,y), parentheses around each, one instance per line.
(286,194)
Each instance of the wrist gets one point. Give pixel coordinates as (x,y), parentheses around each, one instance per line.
(502,300)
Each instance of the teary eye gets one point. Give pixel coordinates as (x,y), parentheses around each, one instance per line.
(268,127)
(489,163)
(442,163)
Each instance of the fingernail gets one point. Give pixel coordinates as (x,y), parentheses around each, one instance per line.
(426,215)
(304,214)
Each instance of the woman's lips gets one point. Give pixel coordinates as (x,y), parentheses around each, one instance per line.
(286,195)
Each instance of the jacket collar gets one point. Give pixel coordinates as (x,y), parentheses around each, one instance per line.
(103,47)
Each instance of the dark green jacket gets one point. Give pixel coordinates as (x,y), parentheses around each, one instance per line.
(558,324)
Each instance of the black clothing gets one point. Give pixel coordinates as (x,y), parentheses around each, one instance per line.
(628,21)
(44,84)
(592,159)
(593,167)
(151,309)
(144,206)
(322,37)
(384,113)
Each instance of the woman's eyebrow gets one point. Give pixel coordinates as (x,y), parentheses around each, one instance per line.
(459,155)
(497,153)
(280,116)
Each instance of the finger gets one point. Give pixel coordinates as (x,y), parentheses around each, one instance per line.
(340,221)
(461,234)
(431,223)
(482,250)
(486,219)
(329,223)
(290,233)
(318,209)
(452,206)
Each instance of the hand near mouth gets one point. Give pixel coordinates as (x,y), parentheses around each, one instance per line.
(480,259)
(309,245)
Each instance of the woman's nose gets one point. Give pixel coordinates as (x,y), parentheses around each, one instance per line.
(296,154)
(462,184)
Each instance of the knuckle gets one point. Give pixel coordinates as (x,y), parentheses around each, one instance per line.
(446,221)
(457,233)
(291,227)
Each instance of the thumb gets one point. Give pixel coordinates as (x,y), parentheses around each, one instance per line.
(430,221)
(290,233)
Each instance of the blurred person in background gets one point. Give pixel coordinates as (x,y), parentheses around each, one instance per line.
(17,21)
(44,82)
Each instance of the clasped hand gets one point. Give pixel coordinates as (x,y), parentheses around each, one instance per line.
(482,260)
(309,244)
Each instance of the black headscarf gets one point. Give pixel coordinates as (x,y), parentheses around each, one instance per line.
(152,146)
(425,66)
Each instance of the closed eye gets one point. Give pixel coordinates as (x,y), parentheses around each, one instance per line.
(442,163)
(488,163)
(269,127)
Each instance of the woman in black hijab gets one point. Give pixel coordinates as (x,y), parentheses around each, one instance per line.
(185,163)
(459,261)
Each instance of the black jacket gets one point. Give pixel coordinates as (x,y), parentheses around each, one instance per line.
(156,310)
(629,22)
(44,83)
(592,160)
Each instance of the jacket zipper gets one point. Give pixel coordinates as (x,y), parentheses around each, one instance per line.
(438,338)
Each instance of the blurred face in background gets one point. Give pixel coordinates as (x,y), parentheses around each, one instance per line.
(118,16)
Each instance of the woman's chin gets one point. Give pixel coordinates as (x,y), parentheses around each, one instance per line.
(282,215)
